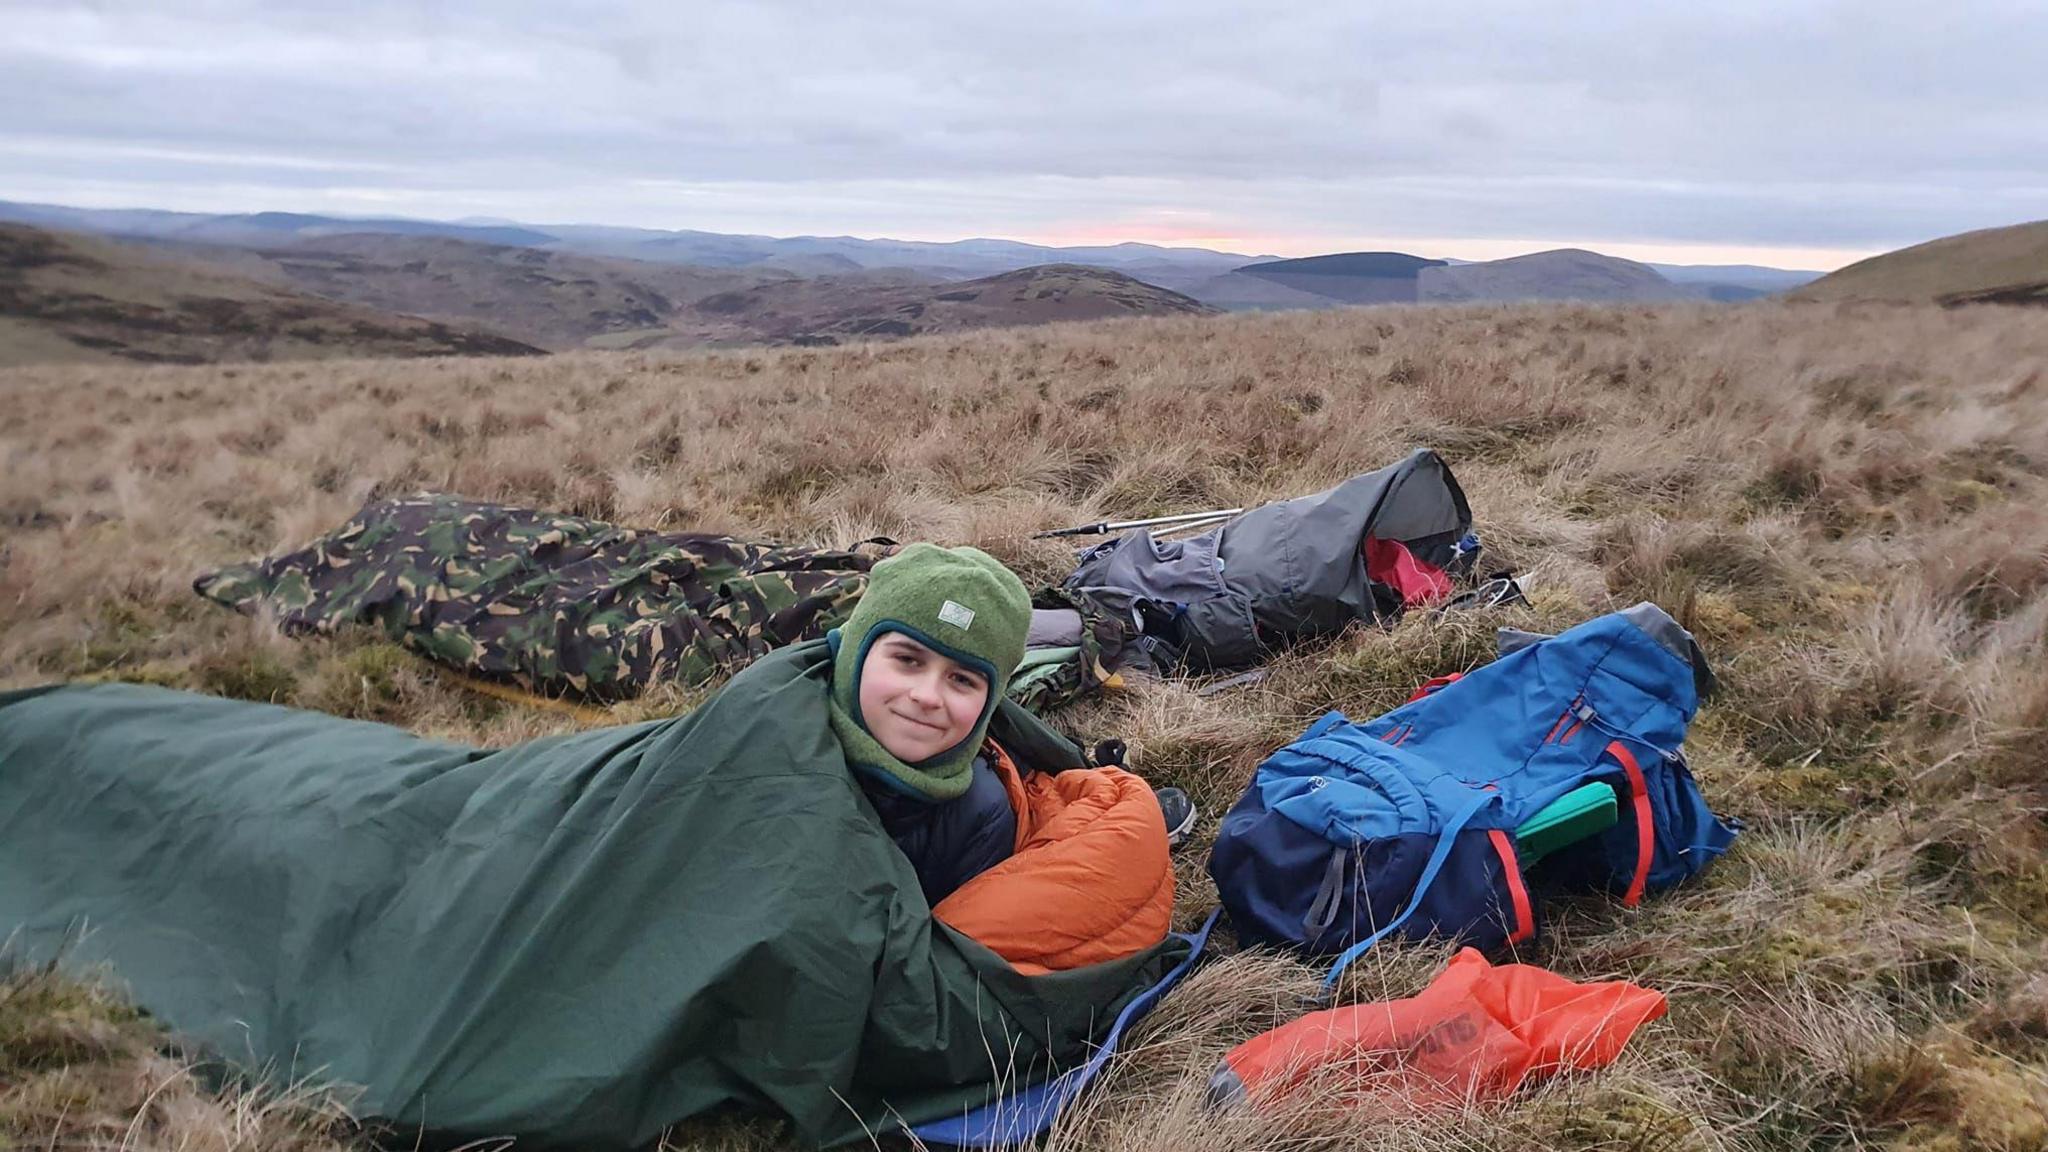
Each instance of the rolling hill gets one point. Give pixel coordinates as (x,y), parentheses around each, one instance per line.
(1239,291)
(1562,274)
(826,310)
(553,300)
(72,298)
(1992,266)
(1349,277)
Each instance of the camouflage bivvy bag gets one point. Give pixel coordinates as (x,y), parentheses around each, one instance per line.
(567,605)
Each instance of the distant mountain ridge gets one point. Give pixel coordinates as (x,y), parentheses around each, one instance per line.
(1349,278)
(949,260)
(574,286)
(1370,265)
(1755,277)
(69,297)
(249,228)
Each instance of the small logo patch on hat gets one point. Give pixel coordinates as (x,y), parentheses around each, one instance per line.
(958,615)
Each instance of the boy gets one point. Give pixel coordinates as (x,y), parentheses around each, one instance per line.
(918,669)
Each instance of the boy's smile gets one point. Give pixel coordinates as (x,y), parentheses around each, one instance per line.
(916,702)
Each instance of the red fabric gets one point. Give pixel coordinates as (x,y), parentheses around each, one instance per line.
(1391,563)
(1511,867)
(1478,1031)
(1552,734)
(1432,684)
(1646,823)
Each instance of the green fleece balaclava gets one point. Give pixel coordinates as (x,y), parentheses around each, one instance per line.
(960,602)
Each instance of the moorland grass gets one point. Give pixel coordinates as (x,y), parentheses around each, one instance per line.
(1846,503)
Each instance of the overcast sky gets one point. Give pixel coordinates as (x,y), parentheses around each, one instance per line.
(1798,134)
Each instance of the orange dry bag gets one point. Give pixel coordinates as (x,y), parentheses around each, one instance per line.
(1478,1031)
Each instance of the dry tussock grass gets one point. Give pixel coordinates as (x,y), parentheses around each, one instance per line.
(1844,502)
(78,1069)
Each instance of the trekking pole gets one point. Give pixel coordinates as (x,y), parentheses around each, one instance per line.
(1193,525)
(1107,526)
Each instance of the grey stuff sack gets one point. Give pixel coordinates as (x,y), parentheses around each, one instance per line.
(1286,571)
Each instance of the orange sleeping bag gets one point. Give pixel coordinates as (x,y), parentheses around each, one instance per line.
(1090,879)
(1477,1032)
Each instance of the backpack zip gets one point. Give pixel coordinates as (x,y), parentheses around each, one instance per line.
(1583,712)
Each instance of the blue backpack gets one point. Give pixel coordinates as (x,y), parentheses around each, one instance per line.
(1406,823)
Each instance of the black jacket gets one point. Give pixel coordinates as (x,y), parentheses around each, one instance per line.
(951,841)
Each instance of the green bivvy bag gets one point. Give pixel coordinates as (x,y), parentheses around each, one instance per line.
(576,941)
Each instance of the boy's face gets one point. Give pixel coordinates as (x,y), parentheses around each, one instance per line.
(916,702)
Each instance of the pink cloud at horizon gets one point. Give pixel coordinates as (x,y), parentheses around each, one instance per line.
(1252,241)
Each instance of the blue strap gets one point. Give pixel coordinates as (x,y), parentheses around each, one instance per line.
(1021,1115)
(1444,842)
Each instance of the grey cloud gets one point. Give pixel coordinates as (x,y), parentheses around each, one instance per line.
(1765,123)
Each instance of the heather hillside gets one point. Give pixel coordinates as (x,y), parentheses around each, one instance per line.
(1846,503)
(81,299)
(1991,266)
(68,297)
(553,300)
(826,310)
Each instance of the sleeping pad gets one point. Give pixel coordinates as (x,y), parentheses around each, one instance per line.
(576,940)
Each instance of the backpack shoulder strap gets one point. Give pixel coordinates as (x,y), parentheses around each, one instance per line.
(1445,840)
